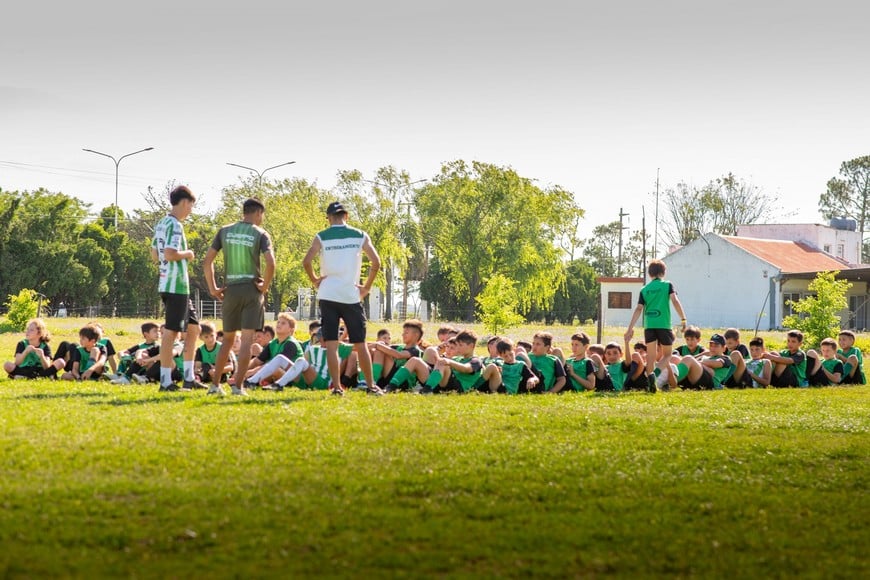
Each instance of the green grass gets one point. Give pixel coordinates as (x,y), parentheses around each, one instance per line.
(101,480)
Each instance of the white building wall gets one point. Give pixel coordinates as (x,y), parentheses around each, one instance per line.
(723,288)
(619,316)
(818,235)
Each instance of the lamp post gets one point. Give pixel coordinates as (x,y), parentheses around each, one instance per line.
(260,173)
(117,163)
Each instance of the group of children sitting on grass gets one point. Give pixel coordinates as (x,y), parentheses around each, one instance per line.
(280,360)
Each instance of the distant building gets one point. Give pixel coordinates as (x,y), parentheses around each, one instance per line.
(618,298)
(839,239)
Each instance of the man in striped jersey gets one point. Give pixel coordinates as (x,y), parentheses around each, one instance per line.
(169,250)
(339,292)
(243,243)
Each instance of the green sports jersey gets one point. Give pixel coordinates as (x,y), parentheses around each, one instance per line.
(470,380)
(32,359)
(582,367)
(317,358)
(207,356)
(242,244)
(513,374)
(721,374)
(800,364)
(656,300)
(618,372)
(284,347)
(833,366)
(684,350)
(83,356)
(550,368)
(173,278)
(755,366)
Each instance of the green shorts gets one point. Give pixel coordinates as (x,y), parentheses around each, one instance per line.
(243,308)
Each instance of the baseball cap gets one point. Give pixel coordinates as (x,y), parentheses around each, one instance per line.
(335,208)
(718,339)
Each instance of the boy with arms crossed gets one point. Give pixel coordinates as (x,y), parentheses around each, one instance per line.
(388,359)
(789,364)
(827,369)
(88,357)
(579,368)
(852,359)
(548,366)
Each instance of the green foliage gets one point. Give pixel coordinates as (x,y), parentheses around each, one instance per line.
(576,300)
(498,304)
(849,195)
(482,220)
(602,251)
(21,307)
(818,316)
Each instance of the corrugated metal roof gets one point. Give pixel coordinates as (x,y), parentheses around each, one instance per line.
(788,256)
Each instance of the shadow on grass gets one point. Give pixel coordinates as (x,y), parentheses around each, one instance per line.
(63,395)
(149,401)
(249,401)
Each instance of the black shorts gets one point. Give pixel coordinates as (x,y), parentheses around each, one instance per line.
(179,311)
(704,382)
(664,336)
(786,379)
(604,385)
(354,320)
(33,372)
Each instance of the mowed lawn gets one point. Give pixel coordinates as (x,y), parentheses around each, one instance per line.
(103,480)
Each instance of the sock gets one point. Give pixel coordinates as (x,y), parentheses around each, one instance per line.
(188,370)
(434,379)
(401,377)
(165,376)
(377,371)
(299,367)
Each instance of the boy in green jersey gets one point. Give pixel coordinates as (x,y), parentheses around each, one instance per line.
(516,376)
(32,354)
(463,372)
(789,364)
(169,249)
(387,359)
(88,358)
(281,352)
(758,368)
(824,369)
(718,364)
(206,356)
(852,359)
(693,347)
(547,366)
(579,368)
(132,360)
(655,304)
(610,375)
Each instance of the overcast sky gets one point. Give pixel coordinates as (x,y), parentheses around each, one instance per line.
(591,96)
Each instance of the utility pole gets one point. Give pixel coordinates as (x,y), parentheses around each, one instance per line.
(655,250)
(621,228)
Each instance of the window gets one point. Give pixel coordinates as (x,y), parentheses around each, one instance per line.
(841,250)
(619,300)
(827,248)
(788,297)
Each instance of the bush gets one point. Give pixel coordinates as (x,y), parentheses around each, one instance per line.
(21,308)
(818,316)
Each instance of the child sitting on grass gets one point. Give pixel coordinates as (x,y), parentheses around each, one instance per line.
(852,359)
(88,357)
(32,354)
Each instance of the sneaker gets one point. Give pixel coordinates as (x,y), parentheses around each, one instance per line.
(120,380)
(216,390)
(249,385)
(194,384)
(273,387)
(651,383)
(239,392)
(141,379)
(424,390)
(338,391)
(375,391)
(170,388)
(112,378)
(361,385)
(391,388)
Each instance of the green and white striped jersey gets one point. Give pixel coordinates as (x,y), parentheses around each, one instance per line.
(174,279)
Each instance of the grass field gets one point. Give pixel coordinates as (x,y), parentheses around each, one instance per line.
(102,480)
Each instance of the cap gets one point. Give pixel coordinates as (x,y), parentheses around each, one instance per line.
(335,208)
(718,339)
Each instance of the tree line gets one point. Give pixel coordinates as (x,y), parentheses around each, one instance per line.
(448,237)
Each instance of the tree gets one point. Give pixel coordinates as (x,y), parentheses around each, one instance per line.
(848,196)
(483,220)
(577,300)
(498,304)
(720,206)
(602,250)
(817,316)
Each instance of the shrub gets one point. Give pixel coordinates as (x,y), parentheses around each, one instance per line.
(21,308)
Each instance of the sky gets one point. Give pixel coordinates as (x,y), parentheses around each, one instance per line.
(596,97)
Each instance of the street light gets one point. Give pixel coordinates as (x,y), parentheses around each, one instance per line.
(117,162)
(260,173)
